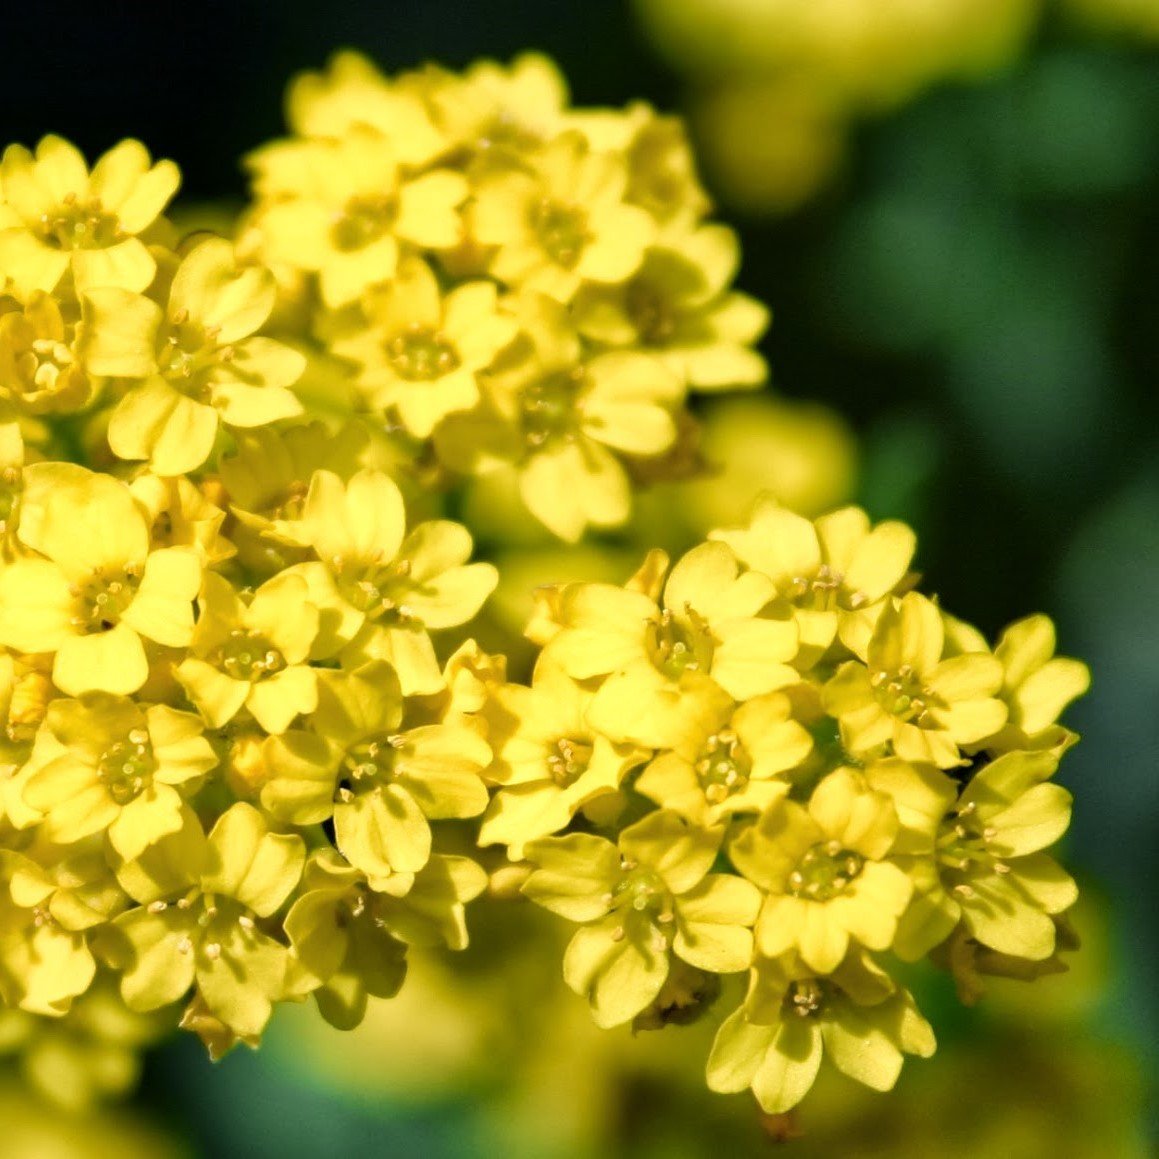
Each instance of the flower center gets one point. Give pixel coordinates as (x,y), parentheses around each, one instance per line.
(379,592)
(821,591)
(568,760)
(963,846)
(825,871)
(249,656)
(80,225)
(651,312)
(902,695)
(126,769)
(365,219)
(642,892)
(548,407)
(420,354)
(47,360)
(370,760)
(723,766)
(562,231)
(805,998)
(679,646)
(103,600)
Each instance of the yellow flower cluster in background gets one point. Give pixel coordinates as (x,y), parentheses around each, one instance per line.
(251,755)
(517,286)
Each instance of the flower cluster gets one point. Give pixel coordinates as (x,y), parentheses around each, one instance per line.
(514,285)
(242,765)
(778,758)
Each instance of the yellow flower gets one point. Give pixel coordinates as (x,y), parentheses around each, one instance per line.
(421,352)
(562,221)
(855,1016)
(1037,687)
(182,516)
(253,656)
(40,369)
(96,587)
(704,642)
(732,763)
(907,696)
(677,307)
(650,895)
(980,860)
(834,572)
(267,477)
(201,901)
(349,937)
(55,215)
(496,109)
(381,589)
(562,420)
(50,898)
(116,767)
(353,95)
(381,784)
(341,208)
(548,761)
(826,872)
(195,364)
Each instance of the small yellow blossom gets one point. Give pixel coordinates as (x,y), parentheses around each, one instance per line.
(253,656)
(732,763)
(380,589)
(563,222)
(855,1016)
(382,784)
(56,216)
(650,895)
(677,306)
(40,368)
(1037,687)
(826,872)
(201,900)
(980,860)
(548,761)
(421,352)
(704,641)
(834,572)
(118,768)
(193,365)
(341,208)
(563,421)
(905,695)
(96,588)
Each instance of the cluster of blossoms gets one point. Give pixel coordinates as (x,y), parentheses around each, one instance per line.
(238,771)
(514,284)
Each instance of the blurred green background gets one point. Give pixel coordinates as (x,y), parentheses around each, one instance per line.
(959,237)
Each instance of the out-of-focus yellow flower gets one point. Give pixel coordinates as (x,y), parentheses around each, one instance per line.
(56,216)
